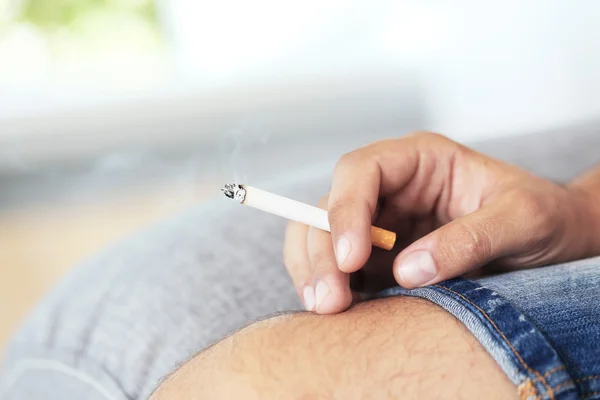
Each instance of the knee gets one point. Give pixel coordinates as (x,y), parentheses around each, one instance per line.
(398,347)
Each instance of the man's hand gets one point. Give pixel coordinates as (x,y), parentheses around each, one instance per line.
(454,211)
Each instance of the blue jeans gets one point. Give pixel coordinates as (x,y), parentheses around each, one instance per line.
(542,326)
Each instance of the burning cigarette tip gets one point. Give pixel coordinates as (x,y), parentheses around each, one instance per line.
(234,191)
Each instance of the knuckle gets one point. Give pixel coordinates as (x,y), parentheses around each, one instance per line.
(474,242)
(346,209)
(532,204)
(336,211)
(430,136)
(320,258)
(364,157)
(537,211)
(348,158)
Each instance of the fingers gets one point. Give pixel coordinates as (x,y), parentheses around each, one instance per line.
(462,245)
(362,176)
(297,263)
(332,286)
(310,261)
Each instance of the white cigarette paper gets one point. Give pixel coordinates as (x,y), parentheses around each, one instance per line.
(296,211)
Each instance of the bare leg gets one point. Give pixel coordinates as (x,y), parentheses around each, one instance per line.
(389,348)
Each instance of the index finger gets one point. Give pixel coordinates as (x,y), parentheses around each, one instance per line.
(360,178)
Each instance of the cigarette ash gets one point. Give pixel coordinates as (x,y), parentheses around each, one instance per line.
(234,191)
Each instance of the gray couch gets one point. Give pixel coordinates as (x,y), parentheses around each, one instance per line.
(122,320)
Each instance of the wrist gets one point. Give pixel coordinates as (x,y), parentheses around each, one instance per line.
(586,209)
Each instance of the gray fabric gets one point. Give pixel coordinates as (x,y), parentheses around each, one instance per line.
(44,372)
(560,154)
(122,320)
(154,300)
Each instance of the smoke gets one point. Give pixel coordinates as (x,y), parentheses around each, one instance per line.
(234,138)
(239,147)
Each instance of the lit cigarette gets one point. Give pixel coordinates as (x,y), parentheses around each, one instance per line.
(296,211)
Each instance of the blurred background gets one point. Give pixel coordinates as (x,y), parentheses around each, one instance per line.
(117,113)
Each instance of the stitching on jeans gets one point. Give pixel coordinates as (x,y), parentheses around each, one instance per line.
(29,364)
(553,370)
(514,350)
(588,378)
(586,395)
(562,385)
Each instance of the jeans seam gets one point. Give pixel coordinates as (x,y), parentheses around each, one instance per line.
(508,342)
(587,395)
(553,370)
(587,378)
(562,385)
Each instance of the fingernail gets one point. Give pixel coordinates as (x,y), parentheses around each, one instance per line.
(342,249)
(417,269)
(321,292)
(309,298)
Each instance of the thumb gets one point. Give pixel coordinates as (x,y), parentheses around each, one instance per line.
(459,247)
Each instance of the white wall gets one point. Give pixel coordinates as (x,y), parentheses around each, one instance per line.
(466,68)
(486,67)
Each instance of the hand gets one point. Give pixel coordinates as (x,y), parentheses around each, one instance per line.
(454,211)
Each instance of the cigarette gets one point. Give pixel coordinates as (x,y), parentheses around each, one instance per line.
(297,211)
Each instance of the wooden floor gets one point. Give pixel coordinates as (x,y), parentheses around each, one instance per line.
(39,243)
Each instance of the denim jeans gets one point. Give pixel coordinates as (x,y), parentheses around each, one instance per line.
(542,326)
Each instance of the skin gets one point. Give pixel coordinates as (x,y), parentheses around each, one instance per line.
(385,349)
(455,210)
